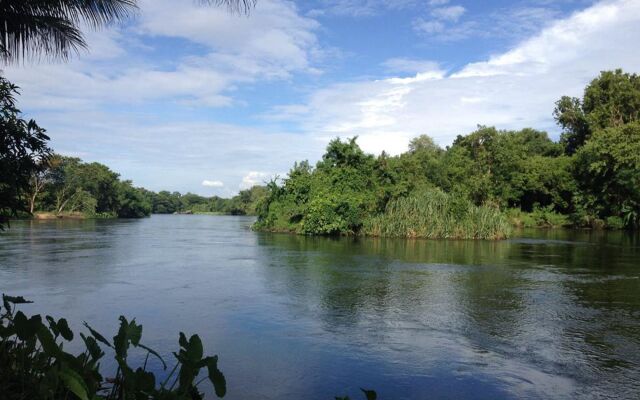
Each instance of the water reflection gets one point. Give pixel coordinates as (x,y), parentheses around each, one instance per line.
(550,314)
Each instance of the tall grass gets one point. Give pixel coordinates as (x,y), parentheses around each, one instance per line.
(437,215)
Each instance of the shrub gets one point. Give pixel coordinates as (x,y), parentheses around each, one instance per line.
(35,366)
(435,214)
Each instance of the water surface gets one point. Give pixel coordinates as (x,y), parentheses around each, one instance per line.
(548,315)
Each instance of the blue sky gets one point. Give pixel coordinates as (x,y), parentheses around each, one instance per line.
(190,98)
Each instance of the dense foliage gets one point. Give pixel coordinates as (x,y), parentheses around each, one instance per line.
(244,203)
(435,214)
(66,185)
(35,365)
(23,151)
(591,177)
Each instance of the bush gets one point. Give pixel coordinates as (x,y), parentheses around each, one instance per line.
(615,223)
(437,215)
(35,366)
(540,217)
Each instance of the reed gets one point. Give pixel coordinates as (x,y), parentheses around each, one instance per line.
(437,215)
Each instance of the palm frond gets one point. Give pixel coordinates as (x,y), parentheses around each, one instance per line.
(27,37)
(239,6)
(51,28)
(34,28)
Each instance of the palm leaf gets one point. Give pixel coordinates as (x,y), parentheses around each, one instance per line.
(34,28)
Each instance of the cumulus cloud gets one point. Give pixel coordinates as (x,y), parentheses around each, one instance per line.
(212,184)
(128,105)
(514,89)
(254,178)
(274,43)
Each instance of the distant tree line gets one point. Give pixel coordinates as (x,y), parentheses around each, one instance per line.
(244,203)
(589,178)
(64,185)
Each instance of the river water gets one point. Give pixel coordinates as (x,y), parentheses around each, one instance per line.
(546,315)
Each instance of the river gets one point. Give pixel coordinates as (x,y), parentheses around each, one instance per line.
(549,314)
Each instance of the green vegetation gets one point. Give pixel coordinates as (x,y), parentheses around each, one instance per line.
(66,185)
(244,203)
(23,150)
(35,365)
(435,214)
(590,178)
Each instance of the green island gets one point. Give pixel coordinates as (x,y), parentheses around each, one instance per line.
(482,184)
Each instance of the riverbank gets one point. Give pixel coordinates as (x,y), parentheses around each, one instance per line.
(51,215)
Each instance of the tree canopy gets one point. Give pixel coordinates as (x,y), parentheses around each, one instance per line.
(23,152)
(589,178)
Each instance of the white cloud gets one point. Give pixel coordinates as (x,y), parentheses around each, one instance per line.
(452,13)
(440,23)
(212,184)
(411,65)
(274,43)
(511,90)
(254,178)
(428,26)
(360,8)
(512,23)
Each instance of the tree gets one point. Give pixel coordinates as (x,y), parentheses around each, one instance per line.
(423,143)
(608,173)
(39,180)
(52,28)
(65,182)
(610,100)
(23,152)
(131,201)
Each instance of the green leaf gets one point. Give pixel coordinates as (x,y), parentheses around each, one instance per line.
(371,394)
(155,354)
(129,332)
(74,383)
(183,340)
(195,350)
(49,344)
(65,331)
(216,377)
(26,328)
(145,381)
(53,325)
(92,346)
(98,336)
(14,300)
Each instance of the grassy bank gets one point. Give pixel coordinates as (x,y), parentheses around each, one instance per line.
(46,215)
(437,215)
